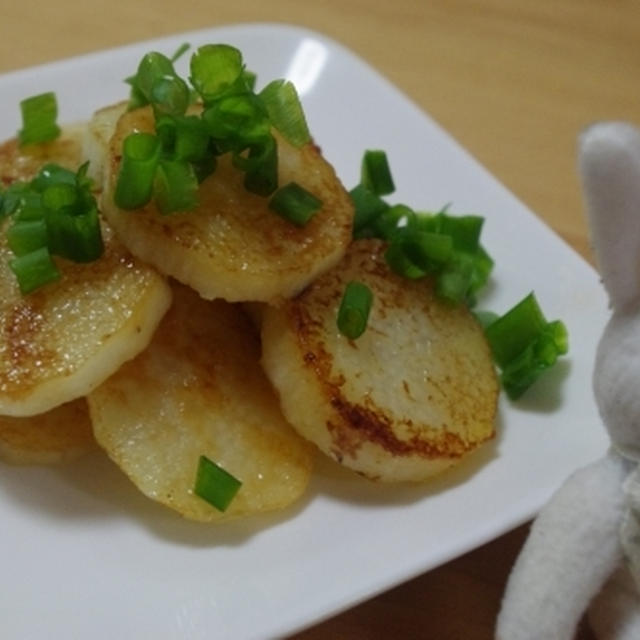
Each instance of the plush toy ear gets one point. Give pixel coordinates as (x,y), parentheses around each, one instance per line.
(609,160)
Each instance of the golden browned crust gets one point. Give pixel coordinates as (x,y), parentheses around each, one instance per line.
(233,246)
(198,389)
(59,341)
(55,436)
(367,410)
(23,163)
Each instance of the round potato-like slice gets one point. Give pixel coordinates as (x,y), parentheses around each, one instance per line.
(198,389)
(232,245)
(410,397)
(62,340)
(56,436)
(98,134)
(23,163)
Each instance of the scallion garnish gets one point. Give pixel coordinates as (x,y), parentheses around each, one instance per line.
(136,177)
(183,137)
(414,254)
(73,235)
(234,119)
(260,166)
(355,306)
(367,207)
(53,214)
(281,101)
(215,485)
(157,83)
(238,120)
(51,174)
(180,51)
(447,249)
(439,245)
(295,204)
(25,236)
(215,70)
(39,116)
(524,344)
(34,269)
(375,172)
(176,186)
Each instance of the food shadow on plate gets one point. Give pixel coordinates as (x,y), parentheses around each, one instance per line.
(546,394)
(93,489)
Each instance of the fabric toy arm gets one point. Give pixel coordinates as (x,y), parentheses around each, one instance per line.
(572,549)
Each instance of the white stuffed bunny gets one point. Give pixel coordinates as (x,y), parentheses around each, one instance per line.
(583,551)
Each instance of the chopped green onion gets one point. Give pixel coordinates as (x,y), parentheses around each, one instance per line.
(428,251)
(27,235)
(51,174)
(448,249)
(156,82)
(399,261)
(454,280)
(215,69)
(390,221)
(170,94)
(354,310)
(464,230)
(295,204)
(152,67)
(24,203)
(260,166)
(367,207)
(184,137)
(180,51)
(140,157)
(215,485)
(524,345)
(512,332)
(375,173)
(281,101)
(249,78)
(485,318)
(39,115)
(34,269)
(234,120)
(74,236)
(53,214)
(239,119)
(61,198)
(176,187)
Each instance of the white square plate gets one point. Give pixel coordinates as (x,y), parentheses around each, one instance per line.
(85,556)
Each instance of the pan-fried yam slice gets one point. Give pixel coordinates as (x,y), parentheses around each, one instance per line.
(56,436)
(409,398)
(23,163)
(233,246)
(62,340)
(96,140)
(199,390)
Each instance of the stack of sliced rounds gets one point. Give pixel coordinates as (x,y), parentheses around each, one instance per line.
(232,245)
(61,341)
(198,389)
(23,163)
(56,436)
(409,398)
(98,133)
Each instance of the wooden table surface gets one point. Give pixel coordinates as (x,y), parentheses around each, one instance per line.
(513,80)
